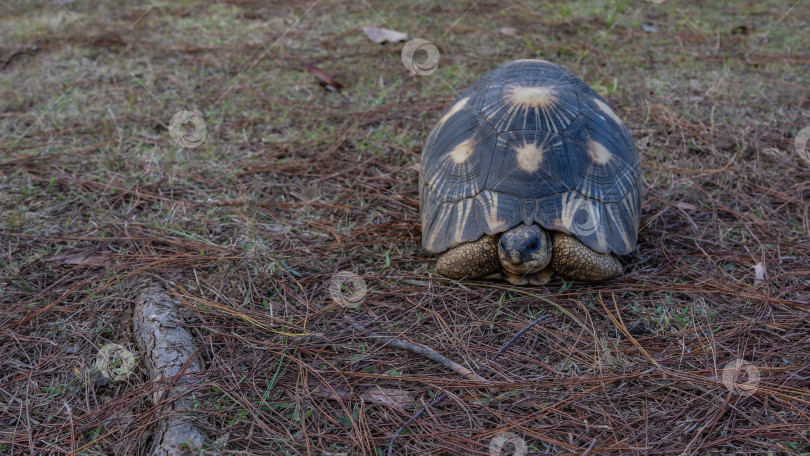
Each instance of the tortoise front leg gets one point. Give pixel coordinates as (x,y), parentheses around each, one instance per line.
(573,259)
(471,260)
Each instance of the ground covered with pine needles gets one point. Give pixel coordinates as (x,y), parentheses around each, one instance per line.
(294,183)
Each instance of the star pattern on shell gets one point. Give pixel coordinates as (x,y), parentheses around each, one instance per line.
(530,143)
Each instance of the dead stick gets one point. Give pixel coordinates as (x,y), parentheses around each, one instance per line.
(419,350)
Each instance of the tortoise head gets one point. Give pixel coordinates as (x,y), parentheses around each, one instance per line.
(525,249)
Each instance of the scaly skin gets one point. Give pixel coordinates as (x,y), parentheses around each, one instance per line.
(471,260)
(573,259)
(570,258)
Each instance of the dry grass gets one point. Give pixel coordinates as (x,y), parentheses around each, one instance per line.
(294,183)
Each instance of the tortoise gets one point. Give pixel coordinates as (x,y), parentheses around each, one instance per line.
(527,173)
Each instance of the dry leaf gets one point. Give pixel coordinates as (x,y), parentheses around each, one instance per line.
(759,272)
(508,31)
(391,396)
(84,259)
(395,397)
(686,207)
(382,35)
(107,40)
(7,54)
(649,28)
(740,30)
(325,81)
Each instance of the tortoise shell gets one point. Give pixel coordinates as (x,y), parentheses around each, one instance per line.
(530,142)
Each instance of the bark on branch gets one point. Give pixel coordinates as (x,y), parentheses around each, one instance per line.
(166,348)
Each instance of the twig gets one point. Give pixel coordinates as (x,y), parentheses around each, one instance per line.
(516,336)
(419,350)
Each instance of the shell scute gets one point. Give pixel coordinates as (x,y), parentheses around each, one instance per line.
(530,143)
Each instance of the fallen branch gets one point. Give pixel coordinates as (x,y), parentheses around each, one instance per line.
(419,350)
(168,351)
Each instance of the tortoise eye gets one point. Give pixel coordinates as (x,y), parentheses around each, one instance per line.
(533,245)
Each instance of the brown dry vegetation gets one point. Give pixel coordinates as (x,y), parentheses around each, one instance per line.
(294,184)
